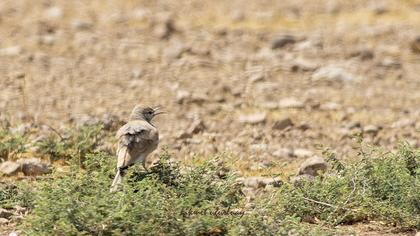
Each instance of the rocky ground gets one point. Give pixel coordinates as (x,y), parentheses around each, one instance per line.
(267,81)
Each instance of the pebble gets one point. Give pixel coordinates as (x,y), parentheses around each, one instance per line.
(297,180)
(182,96)
(291,103)
(403,123)
(5,213)
(302,153)
(415,45)
(81,25)
(282,40)
(54,13)
(283,123)
(256,77)
(22,129)
(256,118)
(390,63)
(196,127)
(165,29)
(3,221)
(269,105)
(363,54)
(332,73)
(259,182)
(175,51)
(11,51)
(9,168)
(136,74)
(283,153)
(302,65)
(371,129)
(312,166)
(34,166)
(330,106)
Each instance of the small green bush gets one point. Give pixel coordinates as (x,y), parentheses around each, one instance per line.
(72,146)
(385,187)
(10,144)
(156,202)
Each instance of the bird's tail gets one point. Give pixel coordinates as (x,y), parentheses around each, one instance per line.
(116,182)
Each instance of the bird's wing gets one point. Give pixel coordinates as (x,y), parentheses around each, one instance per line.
(133,139)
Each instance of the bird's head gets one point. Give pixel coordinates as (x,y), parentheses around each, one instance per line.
(145,113)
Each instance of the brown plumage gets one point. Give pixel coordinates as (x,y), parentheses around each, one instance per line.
(136,140)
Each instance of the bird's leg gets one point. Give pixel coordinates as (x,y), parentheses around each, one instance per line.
(143,163)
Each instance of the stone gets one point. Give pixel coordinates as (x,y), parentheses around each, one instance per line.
(403,123)
(21,129)
(302,65)
(47,40)
(14,233)
(86,120)
(390,63)
(415,45)
(3,221)
(196,127)
(297,180)
(291,103)
(283,152)
(198,98)
(34,166)
(302,153)
(182,96)
(312,166)
(183,135)
(282,40)
(256,77)
(330,106)
(11,51)
(111,122)
(256,118)
(20,210)
(54,13)
(283,123)
(174,51)
(371,129)
(81,25)
(363,54)
(260,147)
(269,105)
(136,74)
(237,15)
(332,73)
(9,168)
(165,29)
(5,213)
(259,182)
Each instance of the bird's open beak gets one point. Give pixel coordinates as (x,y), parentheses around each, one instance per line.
(157,110)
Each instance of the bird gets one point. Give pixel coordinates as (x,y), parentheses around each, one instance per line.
(136,140)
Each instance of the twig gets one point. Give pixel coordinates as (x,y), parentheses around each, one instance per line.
(55,131)
(320,203)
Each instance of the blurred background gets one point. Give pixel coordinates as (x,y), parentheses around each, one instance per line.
(265,80)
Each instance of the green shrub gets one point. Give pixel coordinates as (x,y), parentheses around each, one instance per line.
(385,187)
(10,144)
(72,146)
(156,202)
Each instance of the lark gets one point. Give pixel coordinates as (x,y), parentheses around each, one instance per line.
(136,140)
